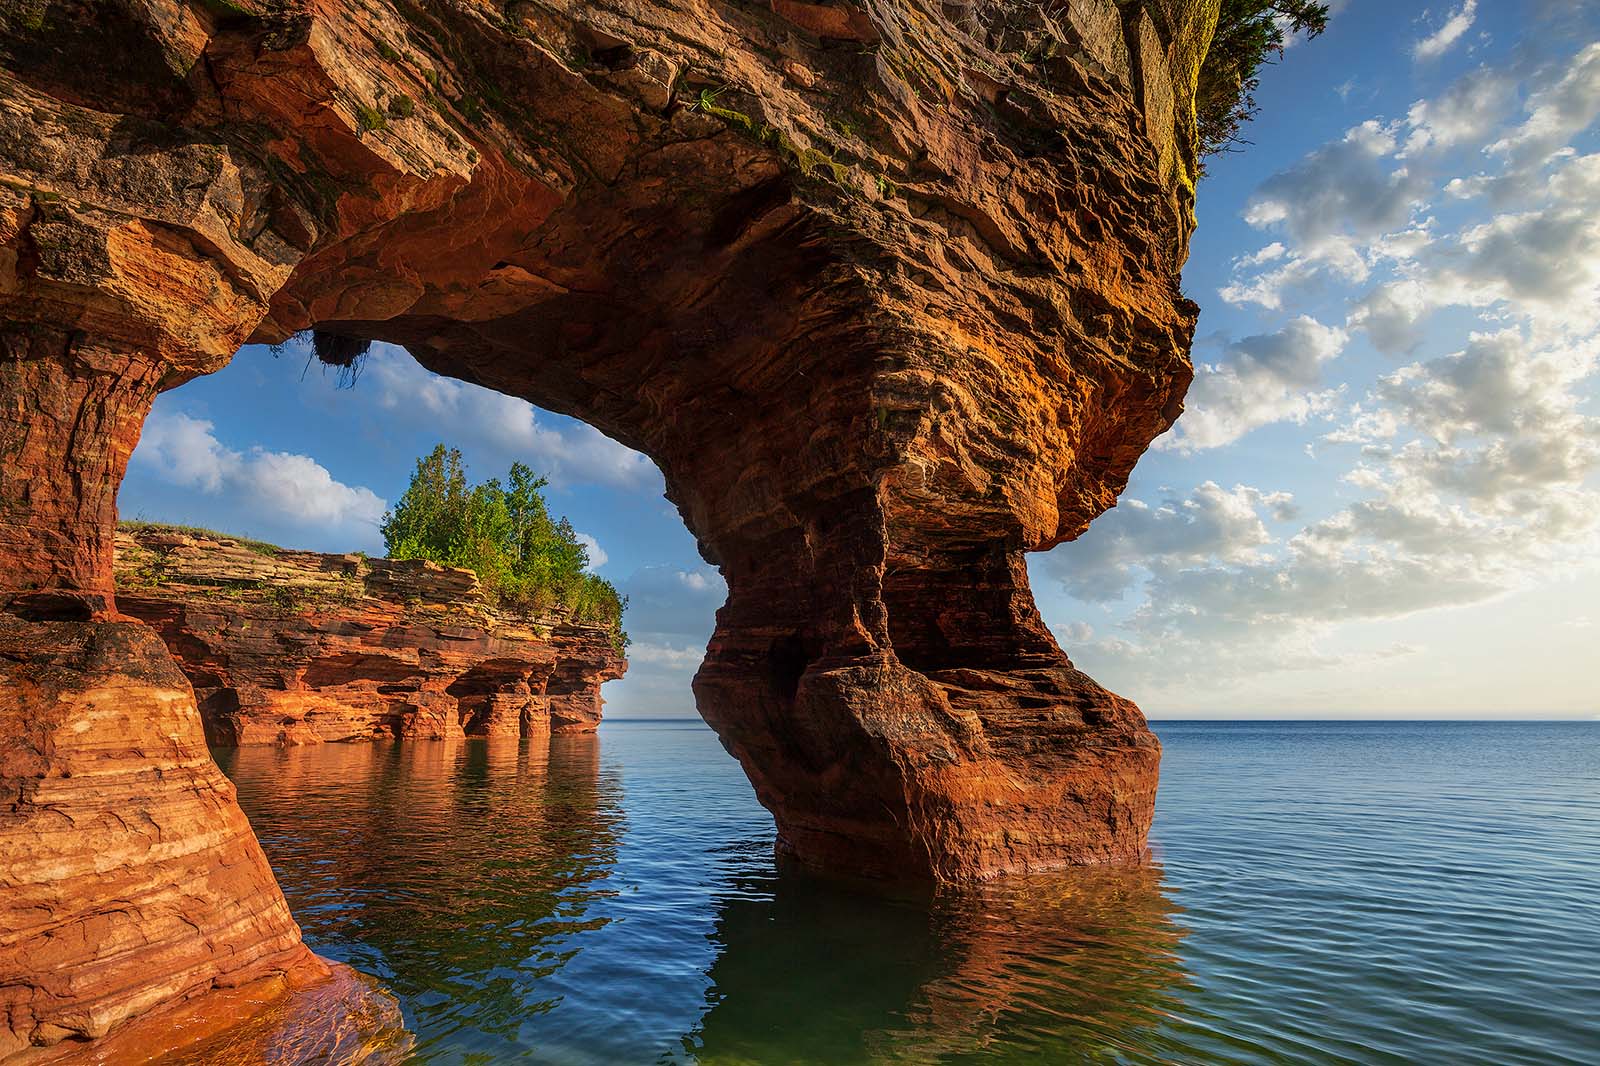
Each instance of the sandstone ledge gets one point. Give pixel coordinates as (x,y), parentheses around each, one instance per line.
(292,647)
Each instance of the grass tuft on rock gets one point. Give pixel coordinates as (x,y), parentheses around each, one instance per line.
(137,527)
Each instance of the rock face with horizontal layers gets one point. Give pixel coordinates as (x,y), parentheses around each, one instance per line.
(887,288)
(289,647)
(129,878)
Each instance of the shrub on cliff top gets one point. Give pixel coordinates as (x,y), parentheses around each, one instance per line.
(527,562)
(1249,34)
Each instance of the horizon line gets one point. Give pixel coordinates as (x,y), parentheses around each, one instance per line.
(1593,718)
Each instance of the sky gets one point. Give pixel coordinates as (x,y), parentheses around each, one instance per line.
(1383,500)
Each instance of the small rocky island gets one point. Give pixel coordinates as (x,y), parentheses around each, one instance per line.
(295,647)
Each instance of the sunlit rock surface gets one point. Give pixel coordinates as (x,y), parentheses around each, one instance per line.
(888,289)
(289,647)
(129,878)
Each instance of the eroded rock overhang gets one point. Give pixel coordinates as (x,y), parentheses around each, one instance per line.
(888,290)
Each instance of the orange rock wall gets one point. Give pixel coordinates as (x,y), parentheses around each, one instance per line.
(887,288)
(129,878)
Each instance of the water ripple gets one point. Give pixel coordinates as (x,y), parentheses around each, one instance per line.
(1323,893)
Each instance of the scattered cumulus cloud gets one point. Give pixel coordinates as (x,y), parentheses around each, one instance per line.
(1345,190)
(1454,27)
(1475,476)
(505,423)
(1210,524)
(1469,471)
(1271,377)
(1554,114)
(185,452)
(1343,209)
(280,487)
(1467,113)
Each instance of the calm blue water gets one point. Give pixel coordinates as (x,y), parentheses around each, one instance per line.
(1322,893)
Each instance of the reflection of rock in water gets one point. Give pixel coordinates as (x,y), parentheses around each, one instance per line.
(456,870)
(1068,965)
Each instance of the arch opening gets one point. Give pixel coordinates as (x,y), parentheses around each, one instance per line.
(255,548)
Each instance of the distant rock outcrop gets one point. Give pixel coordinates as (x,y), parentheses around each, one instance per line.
(292,647)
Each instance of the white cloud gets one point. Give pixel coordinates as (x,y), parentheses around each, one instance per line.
(1494,386)
(1540,262)
(1392,315)
(669,604)
(1344,190)
(275,486)
(461,411)
(1454,28)
(1467,113)
(1541,265)
(1271,377)
(663,655)
(671,614)
(1555,113)
(1353,206)
(597,554)
(1462,477)
(302,488)
(1475,472)
(1212,523)
(1076,632)
(1345,207)
(183,451)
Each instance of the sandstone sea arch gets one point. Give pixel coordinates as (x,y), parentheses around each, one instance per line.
(888,289)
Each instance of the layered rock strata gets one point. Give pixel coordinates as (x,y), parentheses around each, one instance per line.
(288,647)
(129,878)
(887,288)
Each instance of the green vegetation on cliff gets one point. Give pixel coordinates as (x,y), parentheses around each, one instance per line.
(1249,34)
(527,562)
(138,525)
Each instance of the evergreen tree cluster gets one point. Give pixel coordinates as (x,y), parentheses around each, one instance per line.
(527,563)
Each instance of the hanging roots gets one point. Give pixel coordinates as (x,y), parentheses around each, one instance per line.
(346,353)
(336,350)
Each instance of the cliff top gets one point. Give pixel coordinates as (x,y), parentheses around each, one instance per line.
(188,561)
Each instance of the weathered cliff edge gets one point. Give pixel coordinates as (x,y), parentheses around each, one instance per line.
(293,647)
(887,288)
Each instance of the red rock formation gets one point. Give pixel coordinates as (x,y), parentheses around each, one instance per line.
(129,877)
(287,647)
(887,288)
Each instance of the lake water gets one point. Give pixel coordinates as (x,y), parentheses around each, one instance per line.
(1321,893)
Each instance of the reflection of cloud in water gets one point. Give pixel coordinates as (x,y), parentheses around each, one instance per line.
(1073,966)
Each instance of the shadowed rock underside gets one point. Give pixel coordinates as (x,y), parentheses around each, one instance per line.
(888,289)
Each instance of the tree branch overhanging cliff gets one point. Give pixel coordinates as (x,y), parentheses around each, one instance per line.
(1249,34)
